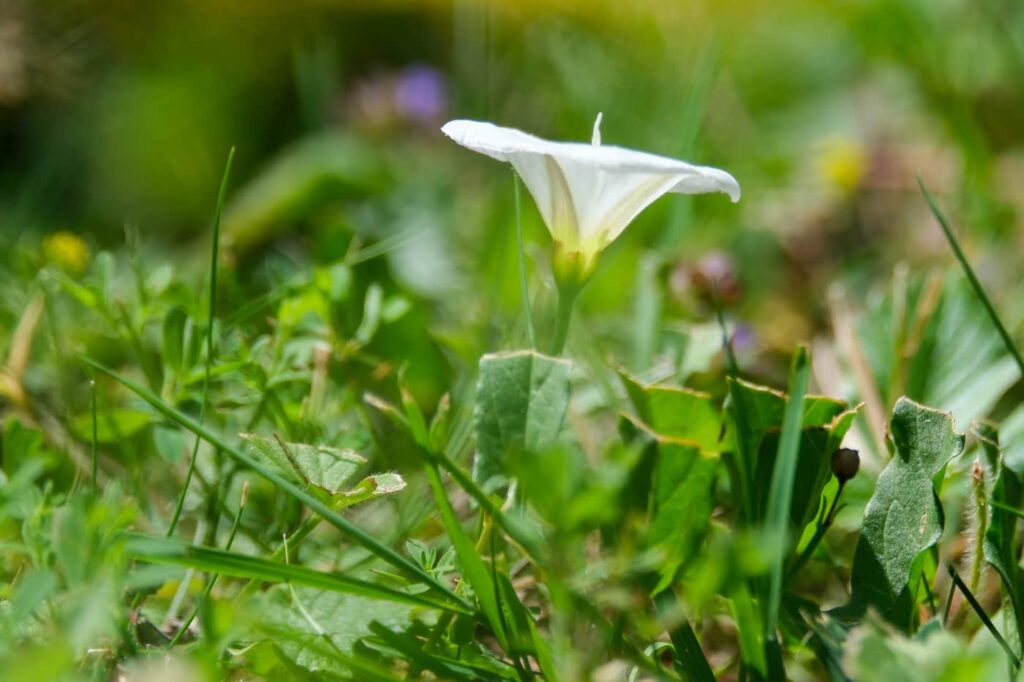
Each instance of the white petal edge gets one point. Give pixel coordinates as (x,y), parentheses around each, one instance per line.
(502,143)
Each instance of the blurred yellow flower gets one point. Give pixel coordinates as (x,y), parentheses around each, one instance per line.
(67,251)
(843,163)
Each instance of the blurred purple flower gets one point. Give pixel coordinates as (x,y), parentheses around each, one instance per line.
(421,94)
(416,95)
(744,338)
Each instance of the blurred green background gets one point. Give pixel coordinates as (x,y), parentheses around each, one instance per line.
(118,115)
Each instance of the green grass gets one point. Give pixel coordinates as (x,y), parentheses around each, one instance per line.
(315,437)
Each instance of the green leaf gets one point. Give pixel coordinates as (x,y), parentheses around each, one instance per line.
(271,474)
(676,412)
(522,399)
(173,552)
(1000,542)
(300,620)
(749,628)
(113,425)
(813,469)
(689,657)
(932,654)
(754,412)
(903,517)
(473,568)
(174,339)
(370,488)
(780,494)
(324,467)
(681,481)
(682,429)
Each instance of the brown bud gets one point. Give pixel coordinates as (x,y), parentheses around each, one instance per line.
(845,463)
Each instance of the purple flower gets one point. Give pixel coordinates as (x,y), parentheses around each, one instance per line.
(421,94)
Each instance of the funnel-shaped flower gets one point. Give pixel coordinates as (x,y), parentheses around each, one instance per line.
(588,193)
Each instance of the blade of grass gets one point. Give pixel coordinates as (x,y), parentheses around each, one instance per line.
(969,596)
(744,460)
(1006,507)
(520,534)
(780,492)
(352,531)
(174,552)
(647,311)
(971,277)
(689,657)
(473,567)
(212,580)
(214,252)
(523,286)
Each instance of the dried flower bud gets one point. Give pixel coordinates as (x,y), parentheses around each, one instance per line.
(845,463)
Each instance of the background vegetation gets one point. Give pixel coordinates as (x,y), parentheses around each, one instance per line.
(364,266)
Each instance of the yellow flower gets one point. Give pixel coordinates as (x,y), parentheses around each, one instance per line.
(843,162)
(67,251)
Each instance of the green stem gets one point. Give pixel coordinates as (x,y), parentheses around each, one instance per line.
(214,253)
(95,456)
(1011,348)
(969,596)
(566,299)
(523,286)
(212,580)
(819,535)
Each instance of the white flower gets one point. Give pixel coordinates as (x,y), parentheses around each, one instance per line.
(588,193)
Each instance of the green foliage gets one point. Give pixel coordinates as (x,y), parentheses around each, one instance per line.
(326,468)
(931,654)
(522,398)
(419,506)
(1000,541)
(904,517)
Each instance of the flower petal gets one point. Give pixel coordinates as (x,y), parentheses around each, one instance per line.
(588,193)
(494,141)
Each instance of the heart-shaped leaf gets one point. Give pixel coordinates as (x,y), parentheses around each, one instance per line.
(522,398)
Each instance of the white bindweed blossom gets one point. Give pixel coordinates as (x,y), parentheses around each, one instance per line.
(588,194)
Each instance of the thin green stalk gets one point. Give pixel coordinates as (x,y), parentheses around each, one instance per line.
(473,569)
(358,535)
(980,495)
(95,457)
(518,533)
(1006,507)
(819,535)
(293,541)
(744,460)
(214,252)
(780,492)
(971,277)
(523,286)
(969,596)
(213,578)
(566,299)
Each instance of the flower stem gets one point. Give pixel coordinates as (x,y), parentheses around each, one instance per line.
(819,533)
(523,286)
(566,299)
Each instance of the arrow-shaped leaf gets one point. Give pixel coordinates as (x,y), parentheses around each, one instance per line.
(903,517)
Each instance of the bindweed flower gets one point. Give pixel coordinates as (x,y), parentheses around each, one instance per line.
(587,194)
